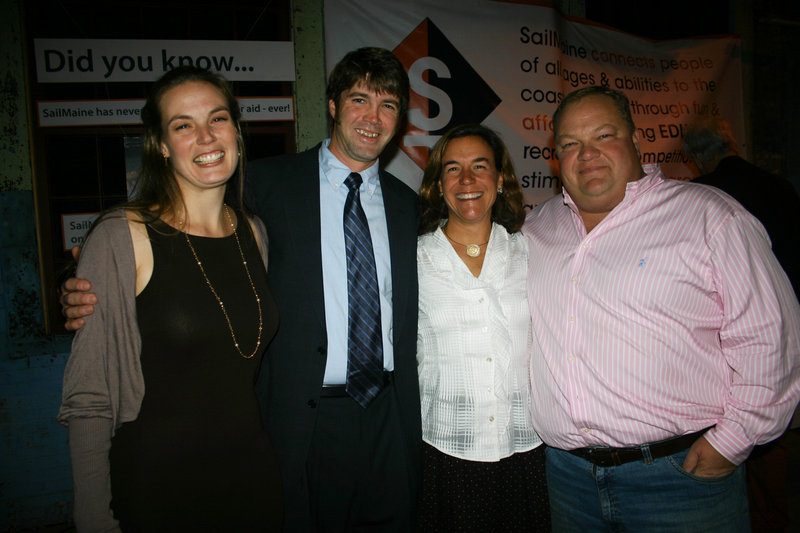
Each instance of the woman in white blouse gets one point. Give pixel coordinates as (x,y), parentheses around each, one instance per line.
(483,463)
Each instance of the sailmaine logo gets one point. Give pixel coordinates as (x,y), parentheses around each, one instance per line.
(445,90)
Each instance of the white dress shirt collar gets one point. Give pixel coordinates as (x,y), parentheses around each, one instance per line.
(335,172)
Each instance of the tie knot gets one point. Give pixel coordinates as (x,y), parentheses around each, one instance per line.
(353,181)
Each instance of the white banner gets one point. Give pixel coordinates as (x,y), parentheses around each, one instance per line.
(121,112)
(508,64)
(126,60)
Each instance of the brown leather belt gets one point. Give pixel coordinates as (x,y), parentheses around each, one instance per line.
(605,457)
(334,391)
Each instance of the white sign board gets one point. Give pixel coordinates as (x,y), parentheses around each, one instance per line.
(127,60)
(267,109)
(75,227)
(121,112)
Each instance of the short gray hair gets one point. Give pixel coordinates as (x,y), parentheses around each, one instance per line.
(617,97)
(708,139)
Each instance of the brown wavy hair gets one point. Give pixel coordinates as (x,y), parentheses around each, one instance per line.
(507,210)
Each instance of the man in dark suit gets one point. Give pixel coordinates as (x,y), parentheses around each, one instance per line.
(350,461)
(345,467)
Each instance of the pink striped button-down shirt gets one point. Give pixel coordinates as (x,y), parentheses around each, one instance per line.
(670,316)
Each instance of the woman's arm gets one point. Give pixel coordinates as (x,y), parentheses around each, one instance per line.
(89,444)
(103,384)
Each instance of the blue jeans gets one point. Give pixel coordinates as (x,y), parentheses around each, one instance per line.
(650,496)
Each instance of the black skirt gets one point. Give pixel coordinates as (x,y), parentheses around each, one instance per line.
(508,495)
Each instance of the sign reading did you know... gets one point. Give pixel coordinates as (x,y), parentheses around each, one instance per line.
(507,65)
(126,60)
(131,60)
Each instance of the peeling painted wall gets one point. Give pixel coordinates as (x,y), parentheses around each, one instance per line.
(14,147)
(35,478)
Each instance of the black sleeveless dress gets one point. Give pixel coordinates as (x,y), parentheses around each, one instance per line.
(197,458)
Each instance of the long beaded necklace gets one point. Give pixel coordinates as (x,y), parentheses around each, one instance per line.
(214,292)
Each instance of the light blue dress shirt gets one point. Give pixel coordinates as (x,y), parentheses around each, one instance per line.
(332,195)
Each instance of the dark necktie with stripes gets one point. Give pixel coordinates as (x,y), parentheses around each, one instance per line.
(364,339)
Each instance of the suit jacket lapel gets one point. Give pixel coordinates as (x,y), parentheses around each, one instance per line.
(400,222)
(302,209)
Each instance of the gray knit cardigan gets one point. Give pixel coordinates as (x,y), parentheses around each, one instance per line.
(103,381)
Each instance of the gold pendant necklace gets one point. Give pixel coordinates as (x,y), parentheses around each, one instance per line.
(219,300)
(472,250)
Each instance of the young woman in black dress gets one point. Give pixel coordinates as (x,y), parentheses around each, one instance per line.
(164,427)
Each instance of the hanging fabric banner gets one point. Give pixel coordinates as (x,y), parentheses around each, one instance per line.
(507,65)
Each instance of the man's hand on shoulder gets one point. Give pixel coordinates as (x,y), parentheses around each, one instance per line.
(76,300)
(704,461)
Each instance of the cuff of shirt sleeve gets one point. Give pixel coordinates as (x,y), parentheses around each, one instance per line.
(90,442)
(730,443)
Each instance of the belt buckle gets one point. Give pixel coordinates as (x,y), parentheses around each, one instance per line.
(607,456)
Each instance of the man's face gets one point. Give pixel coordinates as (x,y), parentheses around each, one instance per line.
(598,155)
(364,122)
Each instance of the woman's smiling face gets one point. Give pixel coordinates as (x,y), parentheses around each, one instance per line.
(469,180)
(199,135)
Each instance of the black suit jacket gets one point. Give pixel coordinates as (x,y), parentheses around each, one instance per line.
(772,200)
(284,192)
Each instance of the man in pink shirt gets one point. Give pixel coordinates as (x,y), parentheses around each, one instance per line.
(667,336)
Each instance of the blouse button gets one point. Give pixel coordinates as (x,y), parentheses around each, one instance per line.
(491,419)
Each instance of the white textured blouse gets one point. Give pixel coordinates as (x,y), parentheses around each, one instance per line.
(472,349)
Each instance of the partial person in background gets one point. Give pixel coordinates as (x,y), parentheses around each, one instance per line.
(710,145)
(165,432)
(669,336)
(483,463)
(712,148)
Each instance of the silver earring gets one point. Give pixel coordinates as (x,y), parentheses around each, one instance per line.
(499,190)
